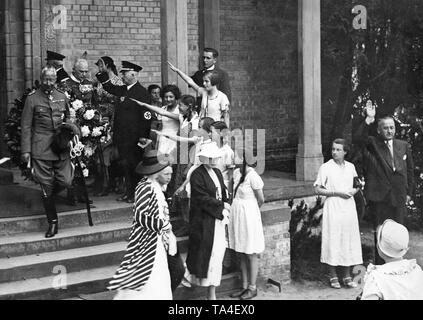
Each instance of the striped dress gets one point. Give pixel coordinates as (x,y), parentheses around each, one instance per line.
(145,242)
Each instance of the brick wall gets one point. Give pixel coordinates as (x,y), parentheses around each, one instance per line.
(259,51)
(15,61)
(193,35)
(275,261)
(124,30)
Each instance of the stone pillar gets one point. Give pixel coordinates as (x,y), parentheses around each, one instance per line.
(3,76)
(32,41)
(174,19)
(209,24)
(309,157)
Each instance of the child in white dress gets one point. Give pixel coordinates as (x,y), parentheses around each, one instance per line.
(341,243)
(245,227)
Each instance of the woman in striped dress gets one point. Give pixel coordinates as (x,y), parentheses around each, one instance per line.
(144,272)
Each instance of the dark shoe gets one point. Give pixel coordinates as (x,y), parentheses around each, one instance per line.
(53,228)
(124,198)
(238,293)
(248,294)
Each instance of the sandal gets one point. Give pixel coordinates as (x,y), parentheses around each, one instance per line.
(349,283)
(334,283)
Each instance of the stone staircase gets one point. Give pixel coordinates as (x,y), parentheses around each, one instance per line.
(80,260)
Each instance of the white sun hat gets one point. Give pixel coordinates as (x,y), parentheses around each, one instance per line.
(209,149)
(392,239)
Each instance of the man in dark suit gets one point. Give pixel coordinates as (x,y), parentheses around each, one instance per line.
(132,122)
(56,60)
(210,56)
(387,167)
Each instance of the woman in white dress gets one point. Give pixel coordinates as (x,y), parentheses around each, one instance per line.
(170,124)
(245,228)
(341,244)
(139,277)
(214,104)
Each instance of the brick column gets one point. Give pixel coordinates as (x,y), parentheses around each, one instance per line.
(309,157)
(174,20)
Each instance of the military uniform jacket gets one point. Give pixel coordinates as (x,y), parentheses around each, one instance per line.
(41,116)
(131,120)
(83,91)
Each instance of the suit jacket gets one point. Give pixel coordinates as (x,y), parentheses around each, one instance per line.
(131,121)
(223,84)
(383,182)
(205,209)
(41,116)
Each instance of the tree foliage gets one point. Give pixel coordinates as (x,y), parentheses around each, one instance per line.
(383,63)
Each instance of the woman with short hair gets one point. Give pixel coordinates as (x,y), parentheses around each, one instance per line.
(214,104)
(341,243)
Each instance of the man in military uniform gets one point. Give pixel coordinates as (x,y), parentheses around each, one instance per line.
(46,109)
(56,60)
(132,122)
(78,85)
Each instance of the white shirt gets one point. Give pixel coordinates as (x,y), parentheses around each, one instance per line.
(130,86)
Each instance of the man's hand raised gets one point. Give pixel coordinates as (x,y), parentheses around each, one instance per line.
(370,112)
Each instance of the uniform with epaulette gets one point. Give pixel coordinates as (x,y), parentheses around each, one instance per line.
(43,114)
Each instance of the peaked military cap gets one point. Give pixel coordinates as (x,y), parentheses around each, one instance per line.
(129,66)
(55,56)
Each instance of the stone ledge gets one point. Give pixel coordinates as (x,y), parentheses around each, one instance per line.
(274,213)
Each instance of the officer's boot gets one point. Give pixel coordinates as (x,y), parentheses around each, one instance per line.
(50,208)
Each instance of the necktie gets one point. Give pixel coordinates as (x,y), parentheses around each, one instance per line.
(391,151)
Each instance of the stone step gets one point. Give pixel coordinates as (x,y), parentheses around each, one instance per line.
(107,210)
(72,260)
(35,243)
(230,282)
(89,282)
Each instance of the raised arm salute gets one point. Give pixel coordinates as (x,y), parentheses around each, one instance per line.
(214,103)
(388,168)
(132,123)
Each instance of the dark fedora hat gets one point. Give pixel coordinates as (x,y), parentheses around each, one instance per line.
(150,163)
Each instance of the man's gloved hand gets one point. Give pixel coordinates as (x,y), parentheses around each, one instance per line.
(102,77)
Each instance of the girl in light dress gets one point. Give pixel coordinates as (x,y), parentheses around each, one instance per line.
(214,104)
(171,120)
(245,227)
(341,243)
